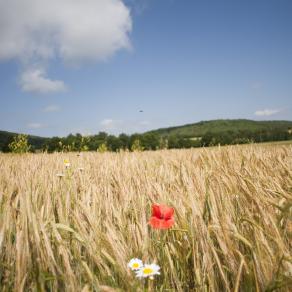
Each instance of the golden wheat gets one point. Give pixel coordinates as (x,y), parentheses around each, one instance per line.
(78,232)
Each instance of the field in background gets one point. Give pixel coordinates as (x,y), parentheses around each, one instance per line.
(232,210)
(288,142)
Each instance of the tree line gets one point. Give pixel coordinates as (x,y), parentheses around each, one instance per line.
(103,142)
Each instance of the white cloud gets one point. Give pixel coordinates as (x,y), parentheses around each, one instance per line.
(109,124)
(123,126)
(52,108)
(35,80)
(267,112)
(75,31)
(144,123)
(35,125)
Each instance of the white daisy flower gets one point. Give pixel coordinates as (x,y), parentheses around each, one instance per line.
(148,271)
(66,163)
(135,264)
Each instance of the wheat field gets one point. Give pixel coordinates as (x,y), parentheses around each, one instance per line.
(77,232)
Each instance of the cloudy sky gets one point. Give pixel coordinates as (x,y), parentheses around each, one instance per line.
(86,66)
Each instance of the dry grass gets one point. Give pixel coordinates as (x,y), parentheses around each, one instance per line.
(77,233)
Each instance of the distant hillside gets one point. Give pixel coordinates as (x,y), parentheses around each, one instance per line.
(7,137)
(221,126)
(207,133)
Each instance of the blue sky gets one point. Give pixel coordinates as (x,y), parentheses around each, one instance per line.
(180,61)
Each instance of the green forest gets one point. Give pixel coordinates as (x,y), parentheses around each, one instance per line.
(202,134)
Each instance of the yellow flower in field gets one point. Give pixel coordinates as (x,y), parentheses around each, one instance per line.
(66,163)
(148,271)
(135,264)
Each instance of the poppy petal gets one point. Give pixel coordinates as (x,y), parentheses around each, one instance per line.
(160,223)
(156,223)
(168,223)
(167,212)
(156,211)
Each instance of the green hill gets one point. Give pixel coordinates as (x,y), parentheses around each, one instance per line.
(7,137)
(222,126)
(206,133)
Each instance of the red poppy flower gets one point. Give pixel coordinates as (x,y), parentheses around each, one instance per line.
(162,217)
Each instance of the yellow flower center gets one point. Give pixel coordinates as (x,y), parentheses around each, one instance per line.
(148,271)
(135,265)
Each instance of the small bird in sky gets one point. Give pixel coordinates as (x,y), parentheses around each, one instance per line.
(141,111)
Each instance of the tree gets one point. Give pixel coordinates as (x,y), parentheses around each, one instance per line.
(54,144)
(173,141)
(19,144)
(163,143)
(150,141)
(113,143)
(136,146)
(84,145)
(102,148)
(124,141)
